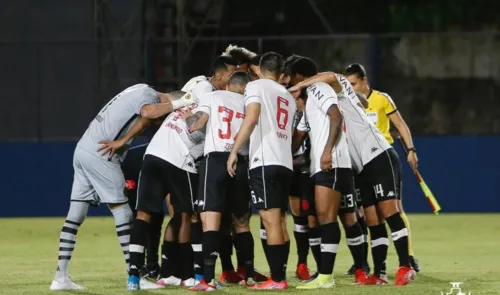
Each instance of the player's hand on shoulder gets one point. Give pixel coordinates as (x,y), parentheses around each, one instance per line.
(413,161)
(232,162)
(110,147)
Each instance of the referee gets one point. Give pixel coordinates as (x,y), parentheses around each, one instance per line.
(382,112)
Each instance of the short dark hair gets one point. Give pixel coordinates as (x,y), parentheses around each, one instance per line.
(239,78)
(255,61)
(305,67)
(240,55)
(271,62)
(220,63)
(289,61)
(355,69)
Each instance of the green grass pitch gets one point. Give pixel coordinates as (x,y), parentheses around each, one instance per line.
(451,248)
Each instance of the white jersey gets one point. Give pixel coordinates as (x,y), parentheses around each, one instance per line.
(174,143)
(226,113)
(116,118)
(271,140)
(198,86)
(364,140)
(320,97)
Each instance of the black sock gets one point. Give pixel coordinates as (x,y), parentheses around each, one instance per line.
(154,239)
(330,239)
(226,249)
(196,241)
(301,234)
(285,255)
(276,265)
(263,240)
(245,244)
(364,229)
(138,240)
(315,244)
(168,258)
(186,259)
(211,242)
(239,259)
(355,241)
(399,234)
(380,243)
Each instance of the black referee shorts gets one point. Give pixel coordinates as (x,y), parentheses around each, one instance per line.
(271,185)
(159,178)
(219,192)
(380,179)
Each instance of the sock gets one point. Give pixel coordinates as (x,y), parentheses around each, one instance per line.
(138,240)
(301,234)
(276,259)
(407,225)
(355,242)
(244,242)
(315,244)
(196,240)
(186,257)
(239,260)
(263,240)
(226,249)
(169,251)
(211,242)
(123,220)
(380,243)
(399,234)
(154,239)
(285,255)
(67,239)
(330,239)
(364,229)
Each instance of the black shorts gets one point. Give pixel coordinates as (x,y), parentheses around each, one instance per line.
(357,191)
(219,192)
(341,180)
(159,178)
(271,186)
(380,179)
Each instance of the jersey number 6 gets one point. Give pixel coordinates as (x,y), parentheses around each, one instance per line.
(282,113)
(228,118)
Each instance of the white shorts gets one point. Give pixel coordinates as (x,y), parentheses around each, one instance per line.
(97,180)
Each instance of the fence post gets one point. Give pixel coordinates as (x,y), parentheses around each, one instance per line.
(373,60)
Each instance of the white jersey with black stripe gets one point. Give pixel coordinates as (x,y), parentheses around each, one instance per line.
(271,140)
(320,97)
(364,140)
(116,118)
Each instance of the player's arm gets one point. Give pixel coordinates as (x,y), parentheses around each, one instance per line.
(252,114)
(153,111)
(299,134)
(197,121)
(404,130)
(363,102)
(112,146)
(336,120)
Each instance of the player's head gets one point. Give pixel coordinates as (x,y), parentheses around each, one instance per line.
(287,69)
(302,69)
(223,67)
(356,74)
(240,55)
(238,81)
(254,67)
(271,66)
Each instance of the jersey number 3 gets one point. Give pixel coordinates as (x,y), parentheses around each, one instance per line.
(228,118)
(282,113)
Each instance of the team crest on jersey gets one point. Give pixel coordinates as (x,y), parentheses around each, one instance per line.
(187,96)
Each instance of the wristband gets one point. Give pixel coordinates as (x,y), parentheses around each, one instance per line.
(184,101)
(412,149)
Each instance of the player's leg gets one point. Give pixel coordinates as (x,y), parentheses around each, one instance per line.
(271,185)
(327,198)
(196,243)
(152,269)
(82,193)
(169,274)
(413,261)
(300,230)
(229,274)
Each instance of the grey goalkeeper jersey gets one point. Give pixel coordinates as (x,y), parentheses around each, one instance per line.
(116,118)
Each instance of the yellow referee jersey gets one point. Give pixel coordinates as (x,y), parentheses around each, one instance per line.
(380,106)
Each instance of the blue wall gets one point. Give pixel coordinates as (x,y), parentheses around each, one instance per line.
(462,172)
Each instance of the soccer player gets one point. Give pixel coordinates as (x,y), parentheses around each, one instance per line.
(221,113)
(377,164)
(268,111)
(222,68)
(98,177)
(168,168)
(382,112)
(334,188)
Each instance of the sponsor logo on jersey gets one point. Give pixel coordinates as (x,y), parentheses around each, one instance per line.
(374,149)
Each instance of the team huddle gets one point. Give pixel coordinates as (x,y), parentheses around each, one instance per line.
(263,132)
